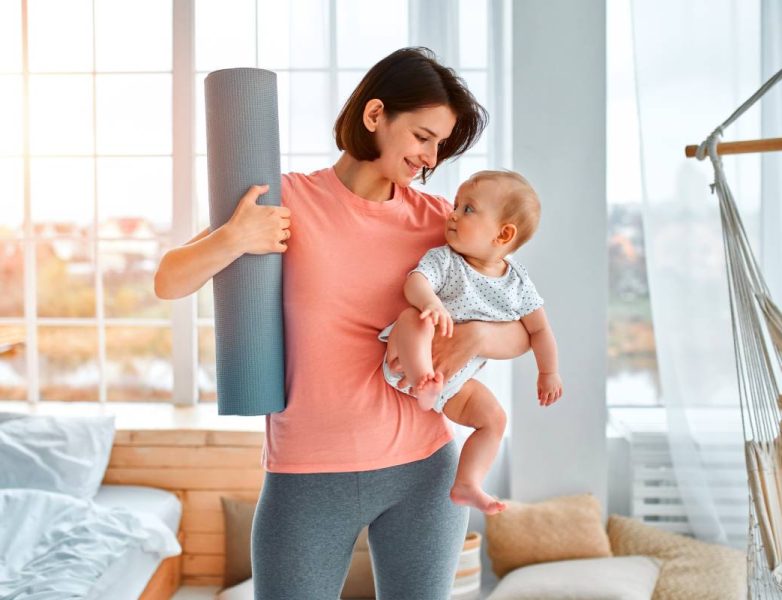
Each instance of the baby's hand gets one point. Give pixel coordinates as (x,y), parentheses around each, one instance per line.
(549,388)
(439,316)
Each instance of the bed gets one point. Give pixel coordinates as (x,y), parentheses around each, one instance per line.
(137,569)
(65,534)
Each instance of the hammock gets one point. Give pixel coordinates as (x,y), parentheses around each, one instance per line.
(757,341)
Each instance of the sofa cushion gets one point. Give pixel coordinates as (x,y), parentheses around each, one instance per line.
(613,578)
(567,527)
(691,569)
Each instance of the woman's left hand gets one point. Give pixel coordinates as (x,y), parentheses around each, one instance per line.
(449,354)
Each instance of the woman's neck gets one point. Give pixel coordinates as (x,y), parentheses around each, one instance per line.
(361,178)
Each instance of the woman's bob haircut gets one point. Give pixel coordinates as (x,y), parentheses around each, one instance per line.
(407,80)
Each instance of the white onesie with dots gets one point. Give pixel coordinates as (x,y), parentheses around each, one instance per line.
(469,295)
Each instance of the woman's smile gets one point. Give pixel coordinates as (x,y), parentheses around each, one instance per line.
(413,168)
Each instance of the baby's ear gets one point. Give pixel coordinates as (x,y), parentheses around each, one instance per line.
(507,233)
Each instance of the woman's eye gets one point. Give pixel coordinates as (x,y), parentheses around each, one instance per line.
(420,139)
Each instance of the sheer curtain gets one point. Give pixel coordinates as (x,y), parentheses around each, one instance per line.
(695,62)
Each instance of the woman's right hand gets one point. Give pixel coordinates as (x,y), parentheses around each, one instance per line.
(259,229)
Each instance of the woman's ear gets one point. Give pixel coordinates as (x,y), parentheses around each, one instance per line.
(372,112)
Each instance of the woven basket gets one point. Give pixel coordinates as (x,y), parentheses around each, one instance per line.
(467,585)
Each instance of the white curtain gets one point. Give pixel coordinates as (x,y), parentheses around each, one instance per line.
(695,62)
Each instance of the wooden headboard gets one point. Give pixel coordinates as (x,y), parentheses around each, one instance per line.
(198,466)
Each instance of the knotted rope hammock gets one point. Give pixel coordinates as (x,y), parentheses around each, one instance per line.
(757,342)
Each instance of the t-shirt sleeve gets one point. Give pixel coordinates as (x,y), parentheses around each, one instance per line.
(529,298)
(434,266)
(286,189)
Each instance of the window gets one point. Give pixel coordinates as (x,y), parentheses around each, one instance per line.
(104,165)
(632,362)
(85,177)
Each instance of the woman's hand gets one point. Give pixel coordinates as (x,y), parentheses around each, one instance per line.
(259,229)
(439,315)
(449,354)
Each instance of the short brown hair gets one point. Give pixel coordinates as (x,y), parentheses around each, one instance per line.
(406,80)
(520,204)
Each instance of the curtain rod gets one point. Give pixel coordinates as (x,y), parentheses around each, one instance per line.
(743,147)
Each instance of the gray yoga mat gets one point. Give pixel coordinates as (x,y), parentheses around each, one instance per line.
(243,148)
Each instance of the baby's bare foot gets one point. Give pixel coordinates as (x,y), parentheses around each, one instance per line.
(472,495)
(428,391)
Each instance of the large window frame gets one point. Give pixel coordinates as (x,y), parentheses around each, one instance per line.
(185,321)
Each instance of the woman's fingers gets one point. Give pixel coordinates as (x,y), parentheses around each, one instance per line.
(251,197)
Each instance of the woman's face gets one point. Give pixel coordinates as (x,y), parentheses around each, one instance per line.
(410,140)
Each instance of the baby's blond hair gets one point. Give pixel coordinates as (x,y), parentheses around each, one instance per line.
(520,204)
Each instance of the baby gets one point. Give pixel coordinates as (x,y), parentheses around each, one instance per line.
(473,278)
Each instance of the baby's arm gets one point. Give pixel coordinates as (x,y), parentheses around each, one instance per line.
(420,294)
(545,348)
(542,341)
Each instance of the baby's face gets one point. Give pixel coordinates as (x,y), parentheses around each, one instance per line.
(475,220)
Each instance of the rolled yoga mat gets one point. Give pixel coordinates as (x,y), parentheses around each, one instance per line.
(243,148)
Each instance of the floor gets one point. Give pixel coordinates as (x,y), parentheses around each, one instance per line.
(208,593)
(196,593)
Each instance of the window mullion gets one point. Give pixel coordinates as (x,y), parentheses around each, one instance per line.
(183,311)
(30,293)
(333,76)
(498,74)
(99,292)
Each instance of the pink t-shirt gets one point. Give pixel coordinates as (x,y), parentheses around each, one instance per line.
(343,275)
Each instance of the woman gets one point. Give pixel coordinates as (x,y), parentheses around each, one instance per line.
(349,450)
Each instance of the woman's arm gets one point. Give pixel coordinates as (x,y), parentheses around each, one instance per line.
(502,341)
(184,270)
(253,228)
(477,338)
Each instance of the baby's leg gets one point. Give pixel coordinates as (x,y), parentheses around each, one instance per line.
(412,342)
(475,406)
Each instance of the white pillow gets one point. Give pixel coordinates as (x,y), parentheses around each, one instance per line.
(60,454)
(613,578)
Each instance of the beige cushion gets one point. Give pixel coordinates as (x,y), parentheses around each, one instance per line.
(557,529)
(238,520)
(691,569)
(613,578)
(360,583)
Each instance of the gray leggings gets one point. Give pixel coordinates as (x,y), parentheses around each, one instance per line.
(305,527)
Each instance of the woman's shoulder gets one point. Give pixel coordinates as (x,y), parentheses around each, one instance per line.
(294,184)
(296,178)
(425,201)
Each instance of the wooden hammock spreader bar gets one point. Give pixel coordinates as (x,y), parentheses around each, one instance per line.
(743,147)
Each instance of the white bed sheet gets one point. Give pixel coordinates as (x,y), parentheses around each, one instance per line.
(164,505)
(54,546)
(128,577)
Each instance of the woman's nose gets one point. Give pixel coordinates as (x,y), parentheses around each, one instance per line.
(430,158)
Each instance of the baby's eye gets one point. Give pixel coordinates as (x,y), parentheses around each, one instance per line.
(469,208)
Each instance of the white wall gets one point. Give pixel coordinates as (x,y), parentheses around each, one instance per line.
(559,131)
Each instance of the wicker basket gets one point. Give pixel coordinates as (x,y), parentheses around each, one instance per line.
(467,585)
